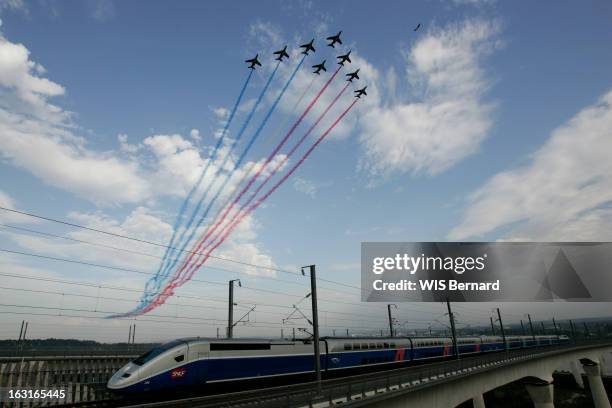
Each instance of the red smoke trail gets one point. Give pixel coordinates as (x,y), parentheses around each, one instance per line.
(177,275)
(169,289)
(268,177)
(273,188)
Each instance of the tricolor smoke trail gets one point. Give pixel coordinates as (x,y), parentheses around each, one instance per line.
(248,173)
(241,158)
(265,181)
(170,248)
(149,294)
(169,289)
(177,275)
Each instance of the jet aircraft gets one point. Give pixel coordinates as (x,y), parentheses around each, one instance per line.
(281,54)
(353,75)
(334,39)
(253,62)
(344,58)
(308,47)
(319,67)
(360,92)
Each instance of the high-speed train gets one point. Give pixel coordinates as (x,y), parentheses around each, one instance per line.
(239,363)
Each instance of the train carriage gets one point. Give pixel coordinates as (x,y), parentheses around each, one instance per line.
(212,364)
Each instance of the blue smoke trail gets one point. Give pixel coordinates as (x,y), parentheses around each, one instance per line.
(170,248)
(242,157)
(150,292)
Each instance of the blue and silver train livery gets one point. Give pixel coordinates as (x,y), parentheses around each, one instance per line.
(216,363)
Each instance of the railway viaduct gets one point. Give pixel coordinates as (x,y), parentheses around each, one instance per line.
(450,391)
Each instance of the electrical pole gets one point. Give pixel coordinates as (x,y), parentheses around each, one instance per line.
(492,326)
(522,327)
(21,330)
(555,326)
(572,331)
(390,318)
(501,327)
(347,332)
(293,333)
(130,334)
(315,322)
(531,327)
(543,329)
(230,314)
(451,317)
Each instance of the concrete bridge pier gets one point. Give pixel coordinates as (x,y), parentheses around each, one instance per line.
(576,373)
(478,401)
(542,394)
(593,372)
(605,358)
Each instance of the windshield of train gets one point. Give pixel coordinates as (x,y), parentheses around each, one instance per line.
(154,352)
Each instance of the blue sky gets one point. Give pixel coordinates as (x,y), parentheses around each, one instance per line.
(490,122)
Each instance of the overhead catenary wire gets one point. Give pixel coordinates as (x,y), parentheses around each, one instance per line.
(160,245)
(365,318)
(215,268)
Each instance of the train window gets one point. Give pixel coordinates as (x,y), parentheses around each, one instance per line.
(386,345)
(239,346)
(364,346)
(125,375)
(392,345)
(347,346)
(180,358)
(379,345)
(356,346)
(154,352)
(372,345)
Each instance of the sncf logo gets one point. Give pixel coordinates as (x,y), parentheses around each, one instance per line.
(178,373)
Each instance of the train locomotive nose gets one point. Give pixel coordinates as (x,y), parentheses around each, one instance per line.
(124,377)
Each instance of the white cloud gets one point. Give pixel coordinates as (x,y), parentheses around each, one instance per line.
(7,201)
(563,194)
(195,135)
(102,10)
(38,136)
(126,147)
(18,75)
(13,5)
(305,186)
(450,121)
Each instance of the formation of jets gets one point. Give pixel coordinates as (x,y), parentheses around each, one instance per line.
(254,62)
